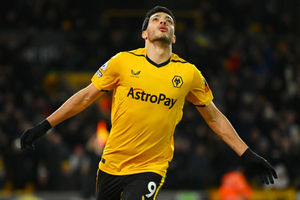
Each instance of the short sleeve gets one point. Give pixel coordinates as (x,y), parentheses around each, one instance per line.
(200,94)
(107,77)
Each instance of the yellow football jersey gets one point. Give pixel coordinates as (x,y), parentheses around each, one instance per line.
(147,105)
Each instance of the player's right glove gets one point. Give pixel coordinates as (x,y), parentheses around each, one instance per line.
(31,135)
(258,166)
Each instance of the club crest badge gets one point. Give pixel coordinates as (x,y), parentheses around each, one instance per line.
(177,81)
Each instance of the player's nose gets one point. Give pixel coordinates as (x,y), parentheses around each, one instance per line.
(162,21)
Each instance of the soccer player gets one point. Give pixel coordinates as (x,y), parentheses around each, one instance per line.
(150,86)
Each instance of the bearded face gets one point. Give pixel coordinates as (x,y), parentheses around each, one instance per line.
(160,28)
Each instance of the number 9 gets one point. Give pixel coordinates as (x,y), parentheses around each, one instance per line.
(151,188)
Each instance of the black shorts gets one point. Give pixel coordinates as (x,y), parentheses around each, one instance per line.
(142,186)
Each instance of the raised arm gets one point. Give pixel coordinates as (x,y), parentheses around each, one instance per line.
(253,163)
(75,104)
(222,127)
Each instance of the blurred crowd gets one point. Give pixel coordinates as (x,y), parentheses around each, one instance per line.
(249,52)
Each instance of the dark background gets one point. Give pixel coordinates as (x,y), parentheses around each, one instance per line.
(249,52)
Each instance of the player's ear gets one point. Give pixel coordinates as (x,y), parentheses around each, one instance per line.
(174,39)
(144,35)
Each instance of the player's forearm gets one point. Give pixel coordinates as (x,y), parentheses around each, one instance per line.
(223,128)
(71,107)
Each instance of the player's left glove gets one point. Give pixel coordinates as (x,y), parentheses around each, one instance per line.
(31,135)
(257,165)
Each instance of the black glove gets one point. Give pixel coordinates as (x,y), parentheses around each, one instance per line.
(30,135)
(256,165)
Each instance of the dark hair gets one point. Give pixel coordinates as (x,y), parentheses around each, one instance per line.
(156,9)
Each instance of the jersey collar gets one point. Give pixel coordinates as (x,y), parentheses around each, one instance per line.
(157,65)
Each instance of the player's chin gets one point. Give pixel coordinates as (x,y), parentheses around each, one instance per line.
(163,38)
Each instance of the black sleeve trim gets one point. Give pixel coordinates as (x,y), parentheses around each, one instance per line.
(203,105)
(104,90)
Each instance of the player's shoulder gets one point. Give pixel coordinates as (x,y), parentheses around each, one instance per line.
(176,59)
(126,54)
(182,62)
(140,52)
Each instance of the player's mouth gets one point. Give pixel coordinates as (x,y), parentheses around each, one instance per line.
(163,29)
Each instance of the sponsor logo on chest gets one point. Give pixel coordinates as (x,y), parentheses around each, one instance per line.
(141,95)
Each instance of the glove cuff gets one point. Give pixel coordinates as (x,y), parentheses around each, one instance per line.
(44,125)
(248,153)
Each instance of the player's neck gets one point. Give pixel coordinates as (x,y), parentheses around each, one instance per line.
(158,52)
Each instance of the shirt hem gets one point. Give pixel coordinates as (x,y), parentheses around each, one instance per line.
(129,172)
